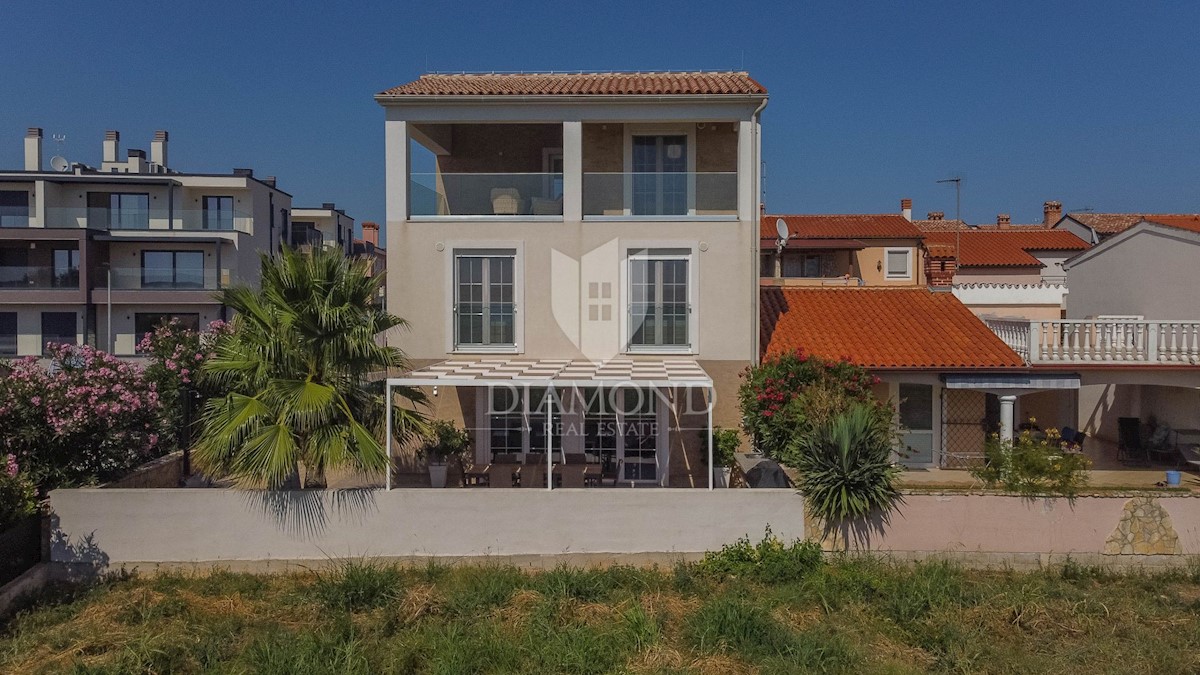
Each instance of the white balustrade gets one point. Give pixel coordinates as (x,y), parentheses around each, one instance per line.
(1118,341)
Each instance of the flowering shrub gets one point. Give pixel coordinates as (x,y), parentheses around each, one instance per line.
(87,418)
(787,397)
(17,494)
(176,354)
(1034,463)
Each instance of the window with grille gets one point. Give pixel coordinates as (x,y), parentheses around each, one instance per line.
(659,306)
(485,299)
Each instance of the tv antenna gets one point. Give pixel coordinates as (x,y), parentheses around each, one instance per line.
(59,162)
(957,180)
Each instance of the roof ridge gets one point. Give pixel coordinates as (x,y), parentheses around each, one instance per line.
(546,73)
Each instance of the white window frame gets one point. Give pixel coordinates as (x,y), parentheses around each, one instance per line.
(887,268)
(631,130)
(660,251)
(500,248)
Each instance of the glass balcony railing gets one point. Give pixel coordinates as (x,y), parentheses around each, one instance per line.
(146,219)
(660,194)
(14,216)
(39,277)
(158,278)
(485,194)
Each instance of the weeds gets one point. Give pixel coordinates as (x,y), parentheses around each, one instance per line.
(769,561)
(357,584)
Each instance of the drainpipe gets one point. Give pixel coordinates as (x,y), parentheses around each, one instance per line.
(754,251)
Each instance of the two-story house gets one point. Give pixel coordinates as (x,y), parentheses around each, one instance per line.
(577,257)
(103,254)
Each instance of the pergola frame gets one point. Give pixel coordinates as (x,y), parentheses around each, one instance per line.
(447,374)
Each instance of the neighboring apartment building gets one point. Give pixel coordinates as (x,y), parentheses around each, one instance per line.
(133,239)
(593,233)
(368,247)
(327,227)
(841,250)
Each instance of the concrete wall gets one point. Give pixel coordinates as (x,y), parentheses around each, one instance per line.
(1157,272)
(145,527)
(189,525)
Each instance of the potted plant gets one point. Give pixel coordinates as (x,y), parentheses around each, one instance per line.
(443,442)
(725,444)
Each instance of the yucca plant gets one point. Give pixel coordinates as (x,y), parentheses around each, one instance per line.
(295,367)
(846,471)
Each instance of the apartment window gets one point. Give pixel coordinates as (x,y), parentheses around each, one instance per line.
(14,267)
(218,213)
(517,422)
(898,263)
(660,180)
(485,299)
(172,269)
(146,322)
(119,210)
(916,419)
(808,265)
(59,328)
(8,333)
(14,208)
(66,268)
(659,305)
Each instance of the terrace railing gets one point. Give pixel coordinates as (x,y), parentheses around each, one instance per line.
(1115,341)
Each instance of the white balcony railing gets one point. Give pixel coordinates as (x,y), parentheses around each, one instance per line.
(1115,341)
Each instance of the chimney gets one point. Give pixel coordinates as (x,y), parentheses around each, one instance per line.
(33,149)
(371,233)
(112,139)
(328,206)
(1003,221)
(270,180)
(249,173)
(940,266)
(137,161)
(936,215)
(906,208)
(158,149)
(1051,213)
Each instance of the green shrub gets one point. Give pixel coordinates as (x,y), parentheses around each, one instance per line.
(846,469)
(725,443)
(1033,465)
(445,441)
(789,395)
(770,560)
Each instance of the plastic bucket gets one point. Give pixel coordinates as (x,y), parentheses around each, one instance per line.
(1172,478)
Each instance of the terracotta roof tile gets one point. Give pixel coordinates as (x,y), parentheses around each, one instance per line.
(581,84)
(881,328)
(1183,221)
(940,225)
(1002,248)
(842,226)
(1112,223)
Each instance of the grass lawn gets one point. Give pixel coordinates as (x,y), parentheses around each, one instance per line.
(855,616)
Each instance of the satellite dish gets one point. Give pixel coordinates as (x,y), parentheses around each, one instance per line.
(60,163)
(781,229)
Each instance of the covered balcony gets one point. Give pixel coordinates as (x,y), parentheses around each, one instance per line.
(529,171)
(1116,341)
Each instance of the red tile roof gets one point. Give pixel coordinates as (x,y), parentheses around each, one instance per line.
(842,226)
(1112,223)
(881,328)
(940,225)
(1002,248)
(581,84)
(1183,221)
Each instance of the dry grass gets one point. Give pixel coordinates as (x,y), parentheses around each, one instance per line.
(859,616)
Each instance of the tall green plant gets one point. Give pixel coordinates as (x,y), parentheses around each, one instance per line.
(846,470)
(1034,464)
(296,364)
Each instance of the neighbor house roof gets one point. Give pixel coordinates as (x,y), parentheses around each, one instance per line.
(1112,223)
(1002,248)
(881,328)
(940,225)
(841,226)
(581,84)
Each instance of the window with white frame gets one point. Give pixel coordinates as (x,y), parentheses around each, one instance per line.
(485,299)
(659,301)
(660,179)
(897,263)
(517,418)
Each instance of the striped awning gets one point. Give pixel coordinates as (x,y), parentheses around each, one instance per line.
(558,372)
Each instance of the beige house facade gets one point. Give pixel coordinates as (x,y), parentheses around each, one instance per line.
(579,219)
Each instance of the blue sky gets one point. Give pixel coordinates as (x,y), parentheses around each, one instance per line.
(1091,103)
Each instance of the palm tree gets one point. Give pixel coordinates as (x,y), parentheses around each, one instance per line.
(296,367)
(846,471)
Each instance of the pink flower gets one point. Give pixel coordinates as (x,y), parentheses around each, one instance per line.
(11,466)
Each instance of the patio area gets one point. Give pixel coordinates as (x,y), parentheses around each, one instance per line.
(1100,480)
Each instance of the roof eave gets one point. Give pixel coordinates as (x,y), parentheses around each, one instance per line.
(384,98)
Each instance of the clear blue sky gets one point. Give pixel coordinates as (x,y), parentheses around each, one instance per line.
(1091,103)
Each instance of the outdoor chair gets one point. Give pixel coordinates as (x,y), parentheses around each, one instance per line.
(506,201)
